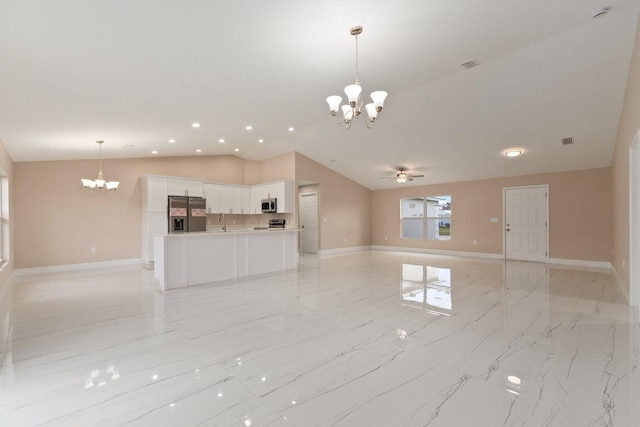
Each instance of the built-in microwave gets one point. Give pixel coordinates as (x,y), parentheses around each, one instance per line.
(269,205)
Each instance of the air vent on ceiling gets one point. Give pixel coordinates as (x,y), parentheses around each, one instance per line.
(567,141)
(469,64)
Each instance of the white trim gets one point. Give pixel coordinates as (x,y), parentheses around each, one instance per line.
(77,267)
(581,262)
(437,252)
(621,284)
(340,251)
(633,294)
(504,216)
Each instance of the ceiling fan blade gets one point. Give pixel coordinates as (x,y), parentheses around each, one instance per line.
(417,176)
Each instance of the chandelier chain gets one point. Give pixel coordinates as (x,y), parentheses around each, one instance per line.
(357,81)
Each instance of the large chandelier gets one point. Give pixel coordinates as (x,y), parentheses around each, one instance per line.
(354,108)
(93,185)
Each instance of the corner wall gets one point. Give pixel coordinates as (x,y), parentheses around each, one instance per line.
(580,214)
(58,222)
(627,130)
(344,206)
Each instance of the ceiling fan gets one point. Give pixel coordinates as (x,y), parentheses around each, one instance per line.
(403,176)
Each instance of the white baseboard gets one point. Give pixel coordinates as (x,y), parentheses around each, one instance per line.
(78,267)
(581,263)
(341,251)
(621,285)
(437,252)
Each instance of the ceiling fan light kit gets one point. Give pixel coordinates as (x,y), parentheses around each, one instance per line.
(402,176)
(354,107)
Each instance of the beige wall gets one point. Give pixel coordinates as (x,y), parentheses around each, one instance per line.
(627,130)
(59,222)
(345,204)
(8,227)
(580,214)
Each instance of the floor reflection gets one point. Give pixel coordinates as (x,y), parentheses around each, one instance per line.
(427,288)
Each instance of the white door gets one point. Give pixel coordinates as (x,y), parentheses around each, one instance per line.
(309,223)
(526,223)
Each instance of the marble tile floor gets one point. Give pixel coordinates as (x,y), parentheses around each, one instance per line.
(364,339)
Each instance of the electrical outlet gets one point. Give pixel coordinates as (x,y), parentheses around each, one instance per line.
(475,242)
(386,238)
(93,249)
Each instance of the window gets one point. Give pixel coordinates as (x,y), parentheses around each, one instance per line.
(426,218)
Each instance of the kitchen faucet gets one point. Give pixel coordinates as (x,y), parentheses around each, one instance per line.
(223,219)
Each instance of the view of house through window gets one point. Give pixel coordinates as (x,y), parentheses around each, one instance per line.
(426,218)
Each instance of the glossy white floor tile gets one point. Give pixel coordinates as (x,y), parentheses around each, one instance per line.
(367,339)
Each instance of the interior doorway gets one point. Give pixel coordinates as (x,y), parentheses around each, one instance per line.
(634,223)
(526,214)
(308,203)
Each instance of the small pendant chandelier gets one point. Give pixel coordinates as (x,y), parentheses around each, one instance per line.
(93,185)
(354,108)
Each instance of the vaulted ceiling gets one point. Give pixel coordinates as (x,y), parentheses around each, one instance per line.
(138,74)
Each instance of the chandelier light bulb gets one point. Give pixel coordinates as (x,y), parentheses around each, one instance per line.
(334,102)
(371,112)
(353,93)
(347,112)
(378,98)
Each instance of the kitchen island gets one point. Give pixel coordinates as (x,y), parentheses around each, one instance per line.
(189,259)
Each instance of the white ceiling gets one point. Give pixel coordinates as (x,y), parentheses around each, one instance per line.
(139,73)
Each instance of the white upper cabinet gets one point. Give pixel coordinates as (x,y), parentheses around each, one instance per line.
(212,195)
(185,187)
(282,191)
(154,194)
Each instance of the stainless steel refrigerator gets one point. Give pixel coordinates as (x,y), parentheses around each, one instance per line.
(187,214)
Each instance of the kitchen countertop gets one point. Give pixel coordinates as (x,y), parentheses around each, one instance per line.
(228,232)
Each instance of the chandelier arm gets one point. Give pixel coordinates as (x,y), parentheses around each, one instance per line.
(367,121)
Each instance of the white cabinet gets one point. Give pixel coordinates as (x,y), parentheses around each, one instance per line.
(245,197)
(153,212)
(234,199)
(240,200)
(185,187)
(155,194)
(225,199)
(280,190)
(212,195)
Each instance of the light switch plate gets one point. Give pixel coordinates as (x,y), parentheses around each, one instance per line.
(493,219)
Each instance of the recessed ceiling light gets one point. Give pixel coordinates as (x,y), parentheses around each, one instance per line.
(249,127)
(236,150)
(154,152)
(221,140)
(261,141)
(514,152)
(172,141)
(196,125)
(291,129)
(198,151)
